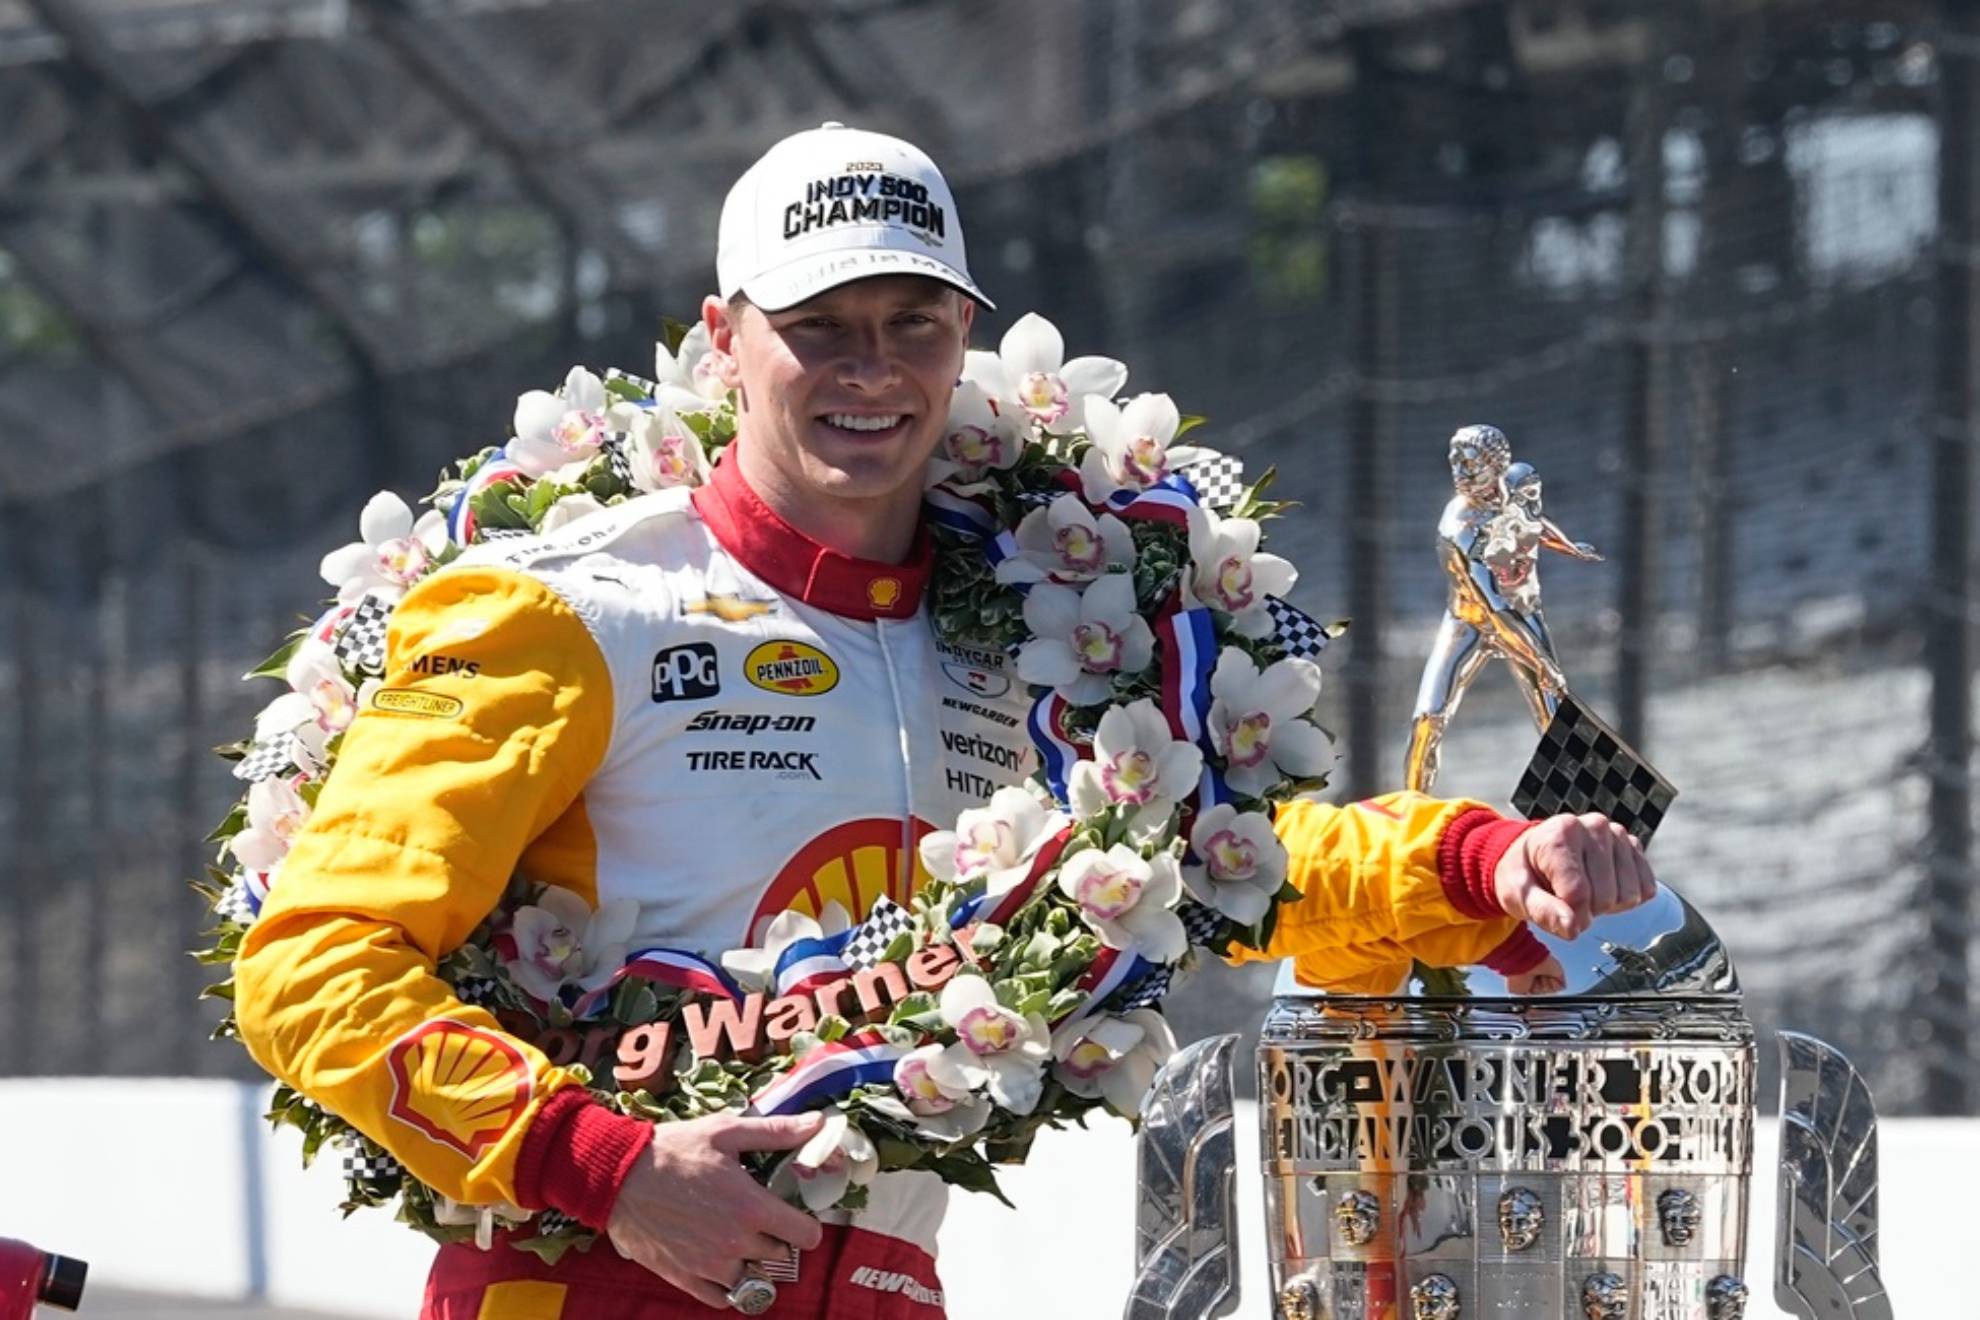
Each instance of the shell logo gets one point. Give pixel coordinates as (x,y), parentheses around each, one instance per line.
(796,669)
(852,864)
(459,1086)
(883,593)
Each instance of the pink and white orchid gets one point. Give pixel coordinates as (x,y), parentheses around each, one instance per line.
(561,942)
(1129,900)
(1133,447)
(935,1096)
(1240,862)
(391,553)
(838,1156)
(275,813)
(687,376)
(994,843)
(756,969)
(995,1048)
(1029,372)
(1258,721)
(979,439)
(1080,640)
(558,435)
(569,509)
(1063,542)
(662,451)
(1114,1058)
(1229,573)
(1137,762)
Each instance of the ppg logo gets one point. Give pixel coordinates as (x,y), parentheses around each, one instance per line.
(683,673)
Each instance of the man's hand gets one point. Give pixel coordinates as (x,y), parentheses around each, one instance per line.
(1567,870)
(689,1213)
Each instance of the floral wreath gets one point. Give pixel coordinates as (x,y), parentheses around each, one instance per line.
(1174,685)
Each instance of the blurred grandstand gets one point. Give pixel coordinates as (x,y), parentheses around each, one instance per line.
(1708,263)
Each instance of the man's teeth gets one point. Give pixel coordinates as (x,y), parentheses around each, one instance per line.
(854,422)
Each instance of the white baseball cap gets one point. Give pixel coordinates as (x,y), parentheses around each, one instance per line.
(834,204)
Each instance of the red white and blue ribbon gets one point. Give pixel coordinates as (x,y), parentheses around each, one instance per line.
(806,964)
(670,967)
(999,910)
(1111,970)
(1168,500)
(1057,752)
(958,513)
(828,1071)
(1188,639)
(497,470)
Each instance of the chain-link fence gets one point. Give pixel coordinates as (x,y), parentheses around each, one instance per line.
(1707,264)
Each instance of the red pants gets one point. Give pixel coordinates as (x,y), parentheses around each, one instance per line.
(852,1275)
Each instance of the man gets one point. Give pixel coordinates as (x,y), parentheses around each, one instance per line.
(720,707)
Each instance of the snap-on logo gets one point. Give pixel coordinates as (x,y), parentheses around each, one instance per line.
(795,669)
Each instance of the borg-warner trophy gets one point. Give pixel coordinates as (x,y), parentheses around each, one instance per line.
(1454,1150)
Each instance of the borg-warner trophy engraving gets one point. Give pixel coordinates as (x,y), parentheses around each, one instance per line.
(1489,540)
(1454,1149)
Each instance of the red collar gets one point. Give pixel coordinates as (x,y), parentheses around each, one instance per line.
(798,566)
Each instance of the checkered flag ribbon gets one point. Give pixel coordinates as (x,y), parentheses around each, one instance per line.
(477,991)
(556,1221)
(1297,631)
(1201,922)
(887,922)
(265,760)
(640,383)
(616,458)
(366,1166)
(1584,765)
(1146,992)
(235,905)
(1218,480)
(361,645)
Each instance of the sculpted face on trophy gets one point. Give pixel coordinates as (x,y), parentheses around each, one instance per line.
(1521,1217)
(1300,1300)
(1725,1299)
(1435,1298)
(1605,1297)
(1677,1213)
(1358,1216)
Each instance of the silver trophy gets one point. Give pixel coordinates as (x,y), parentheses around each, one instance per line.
(1454,1149)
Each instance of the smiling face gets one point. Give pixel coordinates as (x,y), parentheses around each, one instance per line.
(842,398)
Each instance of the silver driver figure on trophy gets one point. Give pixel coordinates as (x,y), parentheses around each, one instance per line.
(1489,538)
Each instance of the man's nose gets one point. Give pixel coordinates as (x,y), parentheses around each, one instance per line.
(868,363)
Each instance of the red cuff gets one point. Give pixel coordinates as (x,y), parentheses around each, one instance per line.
(1519,952)
(575,1155)
(1468,854)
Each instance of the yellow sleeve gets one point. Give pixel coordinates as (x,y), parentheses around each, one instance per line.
(1371,898)
(495,711)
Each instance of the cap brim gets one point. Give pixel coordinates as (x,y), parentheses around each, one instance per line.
(807,277)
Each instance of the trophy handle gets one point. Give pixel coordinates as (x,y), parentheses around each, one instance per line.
(1186,1232)
(1826,1239)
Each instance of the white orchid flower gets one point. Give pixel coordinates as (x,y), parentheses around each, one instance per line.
(1137,762)
(1129,900)
(837,1157)
(994,1047)
(1133,447)
(687,377)
(275,813)
(935,1098)
(1240,862)
(569,509)
(318,677)
(561,942)
(978,438)
(1257,721)
(994,843)
(1114,1058)
(391,553)
(756,969)
(1228,572)
(1029,371)
(661,451)
(1081,639)
(558,435)
(1064,542)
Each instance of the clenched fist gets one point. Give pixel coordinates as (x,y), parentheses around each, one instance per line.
(1567,870)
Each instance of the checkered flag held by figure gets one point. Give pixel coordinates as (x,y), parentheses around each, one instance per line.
(1584,765)
(868,941)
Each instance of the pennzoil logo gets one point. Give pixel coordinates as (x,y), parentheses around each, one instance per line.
(459,1086)
(795,669)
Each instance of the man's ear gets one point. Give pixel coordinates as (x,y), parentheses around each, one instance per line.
(968,320)
(721,321)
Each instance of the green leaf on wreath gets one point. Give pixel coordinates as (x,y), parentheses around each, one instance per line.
(277,665)
(624,389)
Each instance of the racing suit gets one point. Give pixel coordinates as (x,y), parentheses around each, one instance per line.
(685,702)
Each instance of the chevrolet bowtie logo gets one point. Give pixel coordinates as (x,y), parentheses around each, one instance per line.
(729,609)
